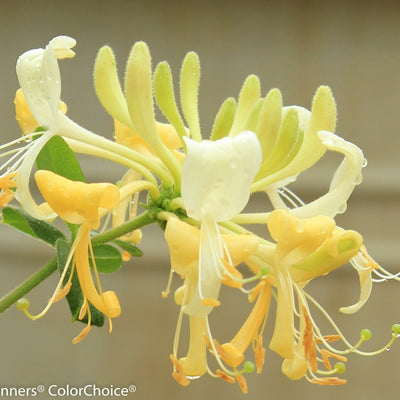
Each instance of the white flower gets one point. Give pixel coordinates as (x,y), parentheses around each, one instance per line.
(216,183)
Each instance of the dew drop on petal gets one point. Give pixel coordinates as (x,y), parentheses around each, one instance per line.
(358,180)
(299,226)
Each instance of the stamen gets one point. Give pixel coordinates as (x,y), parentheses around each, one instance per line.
(325,357)
(62,292)
(166,292)
(84,309)
(241,380)
(225,377)
(259,353)
(308,342)
(85,330)
(25,302)
(82,335)
(328,338)
(329,381)
(178,373)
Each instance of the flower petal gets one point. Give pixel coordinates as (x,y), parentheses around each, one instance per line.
(217,175)
(39,77)
(346,177)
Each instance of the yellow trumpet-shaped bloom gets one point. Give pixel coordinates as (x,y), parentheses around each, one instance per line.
(80,203)
(184,242)
(306,248)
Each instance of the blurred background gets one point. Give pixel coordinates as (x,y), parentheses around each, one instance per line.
(352,46)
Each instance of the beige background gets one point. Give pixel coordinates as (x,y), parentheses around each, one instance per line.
(354,47)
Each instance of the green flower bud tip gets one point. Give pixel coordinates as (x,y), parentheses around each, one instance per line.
(396,329)
(366,334)
(23,304)
(340,368)
(248,367)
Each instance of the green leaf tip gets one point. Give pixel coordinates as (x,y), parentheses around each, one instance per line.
(36,228)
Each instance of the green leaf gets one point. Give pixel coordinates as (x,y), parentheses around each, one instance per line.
(75,296)
(107,258)
(22,221)
(56,156)
(130,248)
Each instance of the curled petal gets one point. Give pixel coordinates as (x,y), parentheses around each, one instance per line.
(364,274)
(346,177)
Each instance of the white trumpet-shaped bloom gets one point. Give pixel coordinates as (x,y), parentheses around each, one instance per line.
(39,77)
(216,183)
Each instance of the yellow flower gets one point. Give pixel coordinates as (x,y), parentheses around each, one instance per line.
(184,244)
(7,184)
(83,204)
(306,249)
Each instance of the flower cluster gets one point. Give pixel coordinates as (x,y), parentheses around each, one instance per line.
(197,191)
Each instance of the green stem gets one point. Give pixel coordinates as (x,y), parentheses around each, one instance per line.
(25,287)
(138,222)
(44,272)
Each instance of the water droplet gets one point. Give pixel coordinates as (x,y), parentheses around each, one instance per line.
(358,180)
(299,227)
(192,377)
(233,164)
(365,162)
(328,142)
(388,349)
(342,208)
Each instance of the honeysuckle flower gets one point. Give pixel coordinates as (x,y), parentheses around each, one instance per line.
(197,192)
(216,181)
(39,78)
(80,203)
(307,248)
(184,242)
